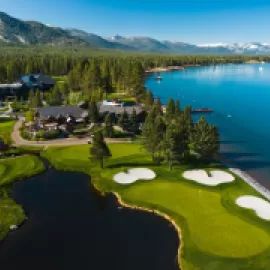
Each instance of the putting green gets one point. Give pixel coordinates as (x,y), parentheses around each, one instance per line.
(212,228)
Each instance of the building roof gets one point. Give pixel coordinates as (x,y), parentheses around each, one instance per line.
(36,80)
(56,111)
(12,85)
(118,109)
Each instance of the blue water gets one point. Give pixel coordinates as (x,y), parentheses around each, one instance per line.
(240,98)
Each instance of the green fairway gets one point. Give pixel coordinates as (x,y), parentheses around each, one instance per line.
(216,234)
(12,170)
(6,127)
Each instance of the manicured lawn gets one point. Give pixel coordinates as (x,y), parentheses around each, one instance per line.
(11,170)
(6,127)
(217,234)
(123,97)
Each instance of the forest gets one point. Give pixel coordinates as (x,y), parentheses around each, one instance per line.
(95,72)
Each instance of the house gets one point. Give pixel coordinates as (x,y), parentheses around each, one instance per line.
(105,108)
(117,109)
(37,81)
(7,90)
(22,86)
(61,114)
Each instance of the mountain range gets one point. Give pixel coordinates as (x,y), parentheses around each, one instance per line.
(15,31)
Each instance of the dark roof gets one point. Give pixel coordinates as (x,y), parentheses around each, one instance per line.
(36,80)
(55,111)
(119,109)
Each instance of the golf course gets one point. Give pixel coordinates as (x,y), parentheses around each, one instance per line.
(6,127)
(12,170)
(215,232)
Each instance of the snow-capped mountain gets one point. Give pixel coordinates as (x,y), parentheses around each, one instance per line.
(246,48)
(16,31)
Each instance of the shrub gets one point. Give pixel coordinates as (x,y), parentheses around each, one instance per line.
(52,134)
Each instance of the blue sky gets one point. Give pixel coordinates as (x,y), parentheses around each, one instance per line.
(194,21)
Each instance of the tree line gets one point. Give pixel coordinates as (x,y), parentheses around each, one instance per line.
(170,136)
(15,61)
(173,135)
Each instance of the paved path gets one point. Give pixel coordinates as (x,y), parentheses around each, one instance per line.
(19,141)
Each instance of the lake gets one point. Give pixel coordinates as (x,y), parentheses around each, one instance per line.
(71,226)
(239,96)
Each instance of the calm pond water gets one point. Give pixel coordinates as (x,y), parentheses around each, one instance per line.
(71,226)
(240,97)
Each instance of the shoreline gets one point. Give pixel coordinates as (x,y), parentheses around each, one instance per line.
(251,181)
(158,213)
(170,68)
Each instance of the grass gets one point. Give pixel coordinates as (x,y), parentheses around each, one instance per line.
(216,233)
(124,97)
(6,128)
(12,170)
(4,109)
(60,79)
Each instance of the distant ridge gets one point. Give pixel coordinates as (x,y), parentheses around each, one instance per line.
(15,31)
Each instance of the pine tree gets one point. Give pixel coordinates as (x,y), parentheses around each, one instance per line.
(204,139)
(30,116)
(153,133)
(123,120)
(158,107)
(149,100)
(170,110)
(99,149)
(37,100)
(64,91)
(188,116)
(93,112)
(106,78)
(15,105)
(133,123)
(31,98)
(108,130)
(56,96)
(177,110)
(181,137)
(168,145)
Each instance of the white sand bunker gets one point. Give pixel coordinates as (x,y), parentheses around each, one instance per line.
(260,206)
(134,175)
(213,179)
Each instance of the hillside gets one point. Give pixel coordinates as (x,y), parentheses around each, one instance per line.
(13,30)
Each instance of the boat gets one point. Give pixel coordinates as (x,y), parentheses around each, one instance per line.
(159,78)
(202,110)
(260,68)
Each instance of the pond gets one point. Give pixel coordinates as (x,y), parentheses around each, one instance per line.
(70,226)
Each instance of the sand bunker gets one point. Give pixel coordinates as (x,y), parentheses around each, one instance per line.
(134,175)
(215,178)
(260,206)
